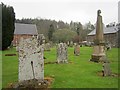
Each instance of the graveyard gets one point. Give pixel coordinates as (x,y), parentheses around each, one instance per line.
(79,72)
(60,57)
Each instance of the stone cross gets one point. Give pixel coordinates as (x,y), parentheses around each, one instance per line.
(62,53)
(31,62)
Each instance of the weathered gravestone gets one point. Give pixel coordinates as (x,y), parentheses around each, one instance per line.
(106,69)
(77,50)
(71,44)
(62,53)
(47,47)
(68,43)
(31,62)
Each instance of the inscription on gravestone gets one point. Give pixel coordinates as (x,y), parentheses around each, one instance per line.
(31,62)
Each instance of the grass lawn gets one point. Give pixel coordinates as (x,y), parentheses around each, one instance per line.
(80,73)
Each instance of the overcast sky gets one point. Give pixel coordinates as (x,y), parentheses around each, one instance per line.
(76,10)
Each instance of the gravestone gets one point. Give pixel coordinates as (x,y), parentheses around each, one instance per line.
(99,44)
(106,69)
(68,43)
(31,62)
(77,50)
(47,47)
(62,53)
(71,43)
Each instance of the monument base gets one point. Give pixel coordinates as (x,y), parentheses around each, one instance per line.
(98,54)
(98,58)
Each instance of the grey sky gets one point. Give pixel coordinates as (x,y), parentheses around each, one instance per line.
(76,10)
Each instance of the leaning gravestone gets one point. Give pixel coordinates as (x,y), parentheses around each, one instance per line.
(31,62)
(62,53)
(77,50)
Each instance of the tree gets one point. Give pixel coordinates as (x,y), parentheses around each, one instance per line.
(89,26)
(8,20)
(63,35)
(50,32)
(79,31)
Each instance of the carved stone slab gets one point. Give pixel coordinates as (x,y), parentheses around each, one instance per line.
(31,62)
(77,50)
(62,53)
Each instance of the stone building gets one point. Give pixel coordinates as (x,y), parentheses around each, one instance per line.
(110,35)
(25,31)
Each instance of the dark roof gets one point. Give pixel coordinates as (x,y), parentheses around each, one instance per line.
(107,30)
(25,29)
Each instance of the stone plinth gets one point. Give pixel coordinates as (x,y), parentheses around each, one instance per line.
(98,53)
(31,62)
(62,53)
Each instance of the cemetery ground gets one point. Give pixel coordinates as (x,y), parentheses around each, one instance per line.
(78,73)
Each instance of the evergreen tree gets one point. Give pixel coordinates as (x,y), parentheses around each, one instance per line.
(50,32)
(79,31)
(8,20)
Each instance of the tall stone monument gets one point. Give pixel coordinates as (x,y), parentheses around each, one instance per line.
(99,45)
(31,62)
(62,53)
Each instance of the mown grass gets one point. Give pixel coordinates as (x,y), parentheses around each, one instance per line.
(79,73)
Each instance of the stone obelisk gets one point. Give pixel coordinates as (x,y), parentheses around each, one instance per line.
(99,45)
